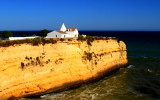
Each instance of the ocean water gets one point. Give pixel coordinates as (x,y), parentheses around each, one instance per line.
(139,81)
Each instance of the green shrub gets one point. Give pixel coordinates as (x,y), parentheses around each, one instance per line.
(69,39)
(45,41)
(88,56)
(7,43)
(89,40)
(6,34)
(53,41)
(24,41)
(36,41)
(81,38)
(61,39)
(89,43)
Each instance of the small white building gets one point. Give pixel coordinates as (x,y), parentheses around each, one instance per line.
(63,33)
(21,38)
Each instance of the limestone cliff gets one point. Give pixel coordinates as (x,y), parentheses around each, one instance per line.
(27,70)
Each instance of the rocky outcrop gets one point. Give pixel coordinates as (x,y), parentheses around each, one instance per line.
(28,70)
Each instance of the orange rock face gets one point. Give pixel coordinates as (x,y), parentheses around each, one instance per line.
(27,70)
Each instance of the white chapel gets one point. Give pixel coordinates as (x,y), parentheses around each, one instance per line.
(63,33)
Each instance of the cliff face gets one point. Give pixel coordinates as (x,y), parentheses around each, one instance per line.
(27,70)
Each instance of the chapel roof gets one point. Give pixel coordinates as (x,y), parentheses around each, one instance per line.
(72,29)
(61,32)
(63,29)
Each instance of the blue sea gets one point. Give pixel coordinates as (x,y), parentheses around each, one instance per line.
(138,81)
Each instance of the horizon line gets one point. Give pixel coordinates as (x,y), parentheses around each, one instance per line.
(91,30)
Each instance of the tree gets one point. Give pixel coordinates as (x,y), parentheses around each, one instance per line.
(43,32)
(6,34)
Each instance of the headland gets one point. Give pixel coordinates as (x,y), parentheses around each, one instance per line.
(29,70)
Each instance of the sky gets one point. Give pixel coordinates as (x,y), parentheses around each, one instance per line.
(116,15)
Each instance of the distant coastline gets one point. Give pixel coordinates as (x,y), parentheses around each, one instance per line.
(103,33)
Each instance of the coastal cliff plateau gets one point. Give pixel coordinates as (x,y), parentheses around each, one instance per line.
(27,70)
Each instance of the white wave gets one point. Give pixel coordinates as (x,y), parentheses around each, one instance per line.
(130,66)
(149,70)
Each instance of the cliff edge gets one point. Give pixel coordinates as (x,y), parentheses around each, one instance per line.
(28,70)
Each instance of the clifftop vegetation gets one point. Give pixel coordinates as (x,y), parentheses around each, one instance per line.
(34,42)
(90,39)
(43,41)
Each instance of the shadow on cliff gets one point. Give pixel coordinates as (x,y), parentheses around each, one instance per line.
(76,84)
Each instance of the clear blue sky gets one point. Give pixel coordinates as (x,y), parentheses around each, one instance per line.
(82,14)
